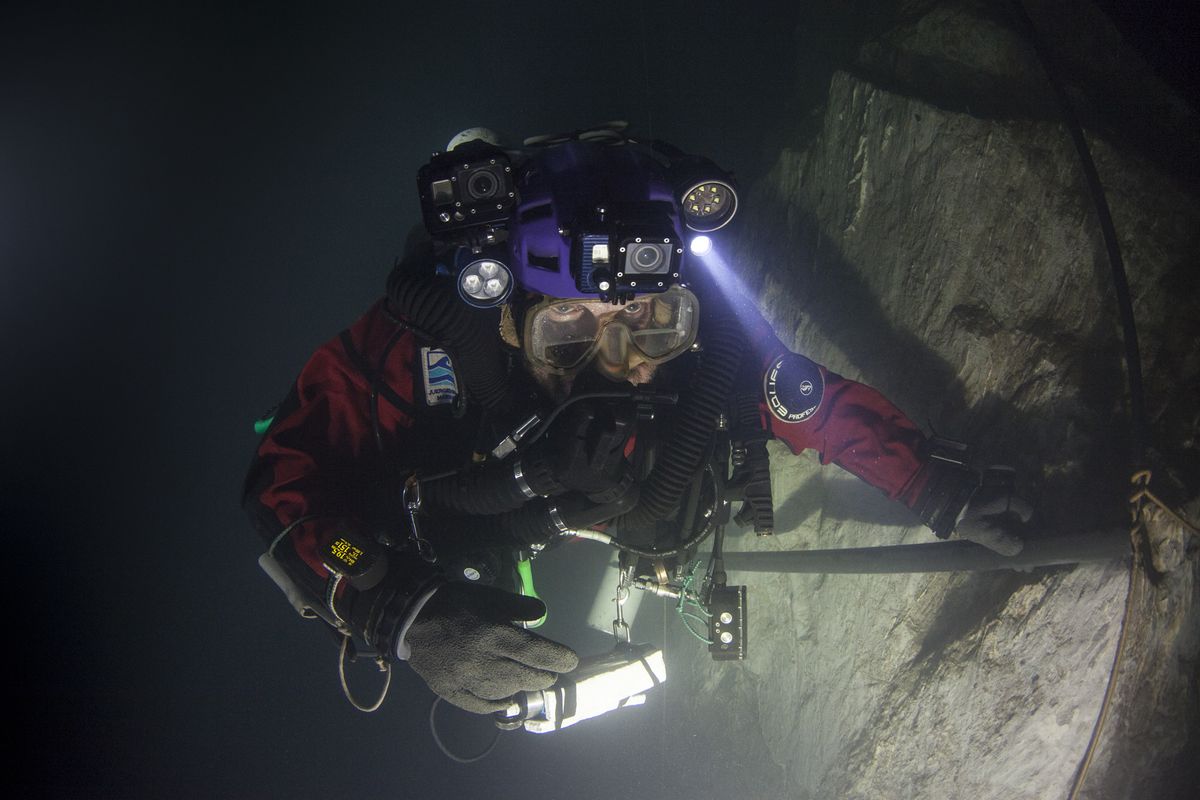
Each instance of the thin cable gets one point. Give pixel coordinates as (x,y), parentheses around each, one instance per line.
(686,597)
(1135,584)
(666,398)
(662,755)
(1142,479)
(1138,503)
(684,616)
(384,666)
(1139,429)
(437,739)
(1135,575)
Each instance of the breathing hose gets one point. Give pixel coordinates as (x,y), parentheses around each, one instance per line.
(699,408)
(429,304)
(497,489)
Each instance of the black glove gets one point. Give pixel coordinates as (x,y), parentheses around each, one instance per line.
(466,648)
(991,516)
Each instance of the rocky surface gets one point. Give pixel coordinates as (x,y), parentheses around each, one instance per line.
(931,236)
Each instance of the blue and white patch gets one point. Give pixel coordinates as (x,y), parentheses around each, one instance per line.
(793,387)
(441,384)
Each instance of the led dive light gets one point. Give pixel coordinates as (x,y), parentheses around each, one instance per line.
(599,685)
(485,282)
(709,205)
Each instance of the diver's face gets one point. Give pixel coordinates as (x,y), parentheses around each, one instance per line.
(613,358)
(635,371)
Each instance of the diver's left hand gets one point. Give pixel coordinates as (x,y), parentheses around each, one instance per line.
(994,513)
(466,647)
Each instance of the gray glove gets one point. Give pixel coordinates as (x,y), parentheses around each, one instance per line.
(993,513)
(466,648)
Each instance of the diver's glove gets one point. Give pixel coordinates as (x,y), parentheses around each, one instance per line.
(991,516)
(958,502)
(465,646)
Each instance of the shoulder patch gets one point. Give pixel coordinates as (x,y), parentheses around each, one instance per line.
(441,384)
(793,387)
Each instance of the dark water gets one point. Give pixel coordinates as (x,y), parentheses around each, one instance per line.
(189,204)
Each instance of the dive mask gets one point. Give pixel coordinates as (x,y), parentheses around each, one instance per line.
(563,335)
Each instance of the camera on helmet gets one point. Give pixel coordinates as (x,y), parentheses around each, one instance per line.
(630,248)
(471,186)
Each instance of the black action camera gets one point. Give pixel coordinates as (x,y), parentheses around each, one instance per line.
(630,247)
(469,187)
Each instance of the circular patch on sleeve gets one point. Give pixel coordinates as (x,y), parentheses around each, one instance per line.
(793,387)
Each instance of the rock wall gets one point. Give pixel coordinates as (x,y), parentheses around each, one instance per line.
(932,237)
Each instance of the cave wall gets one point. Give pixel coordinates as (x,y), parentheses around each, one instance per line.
(930,233)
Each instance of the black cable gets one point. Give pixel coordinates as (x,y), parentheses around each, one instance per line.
(446,751)
(1133,362)
(666,398)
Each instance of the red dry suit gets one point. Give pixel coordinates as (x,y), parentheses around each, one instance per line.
(370,406)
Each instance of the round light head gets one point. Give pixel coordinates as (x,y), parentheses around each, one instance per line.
(485,282)
(709,205)
(700,245)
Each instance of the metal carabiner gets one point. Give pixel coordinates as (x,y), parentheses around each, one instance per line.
(412,505)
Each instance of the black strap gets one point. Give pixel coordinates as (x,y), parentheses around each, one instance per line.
(752,470)
(946,493)
(373,378)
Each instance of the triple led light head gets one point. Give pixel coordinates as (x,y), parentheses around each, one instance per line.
(573,216)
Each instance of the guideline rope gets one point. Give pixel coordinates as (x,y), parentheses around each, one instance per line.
(1144,507)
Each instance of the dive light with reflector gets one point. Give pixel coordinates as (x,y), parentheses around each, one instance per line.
(597,686)
(485,282)
(708,205)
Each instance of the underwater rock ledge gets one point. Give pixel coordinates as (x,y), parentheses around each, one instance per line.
(952,260)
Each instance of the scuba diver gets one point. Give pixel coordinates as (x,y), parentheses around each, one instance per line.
(562,354)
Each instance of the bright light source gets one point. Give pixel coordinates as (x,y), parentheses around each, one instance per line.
(484,283)
(708,205)
(701,245)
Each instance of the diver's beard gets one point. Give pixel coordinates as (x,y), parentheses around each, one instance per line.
(592,377)
(640,374)
(554,384)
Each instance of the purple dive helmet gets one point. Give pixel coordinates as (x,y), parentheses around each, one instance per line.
(593,213)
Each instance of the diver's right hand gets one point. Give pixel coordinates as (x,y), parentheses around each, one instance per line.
(994,514)
(466,647)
